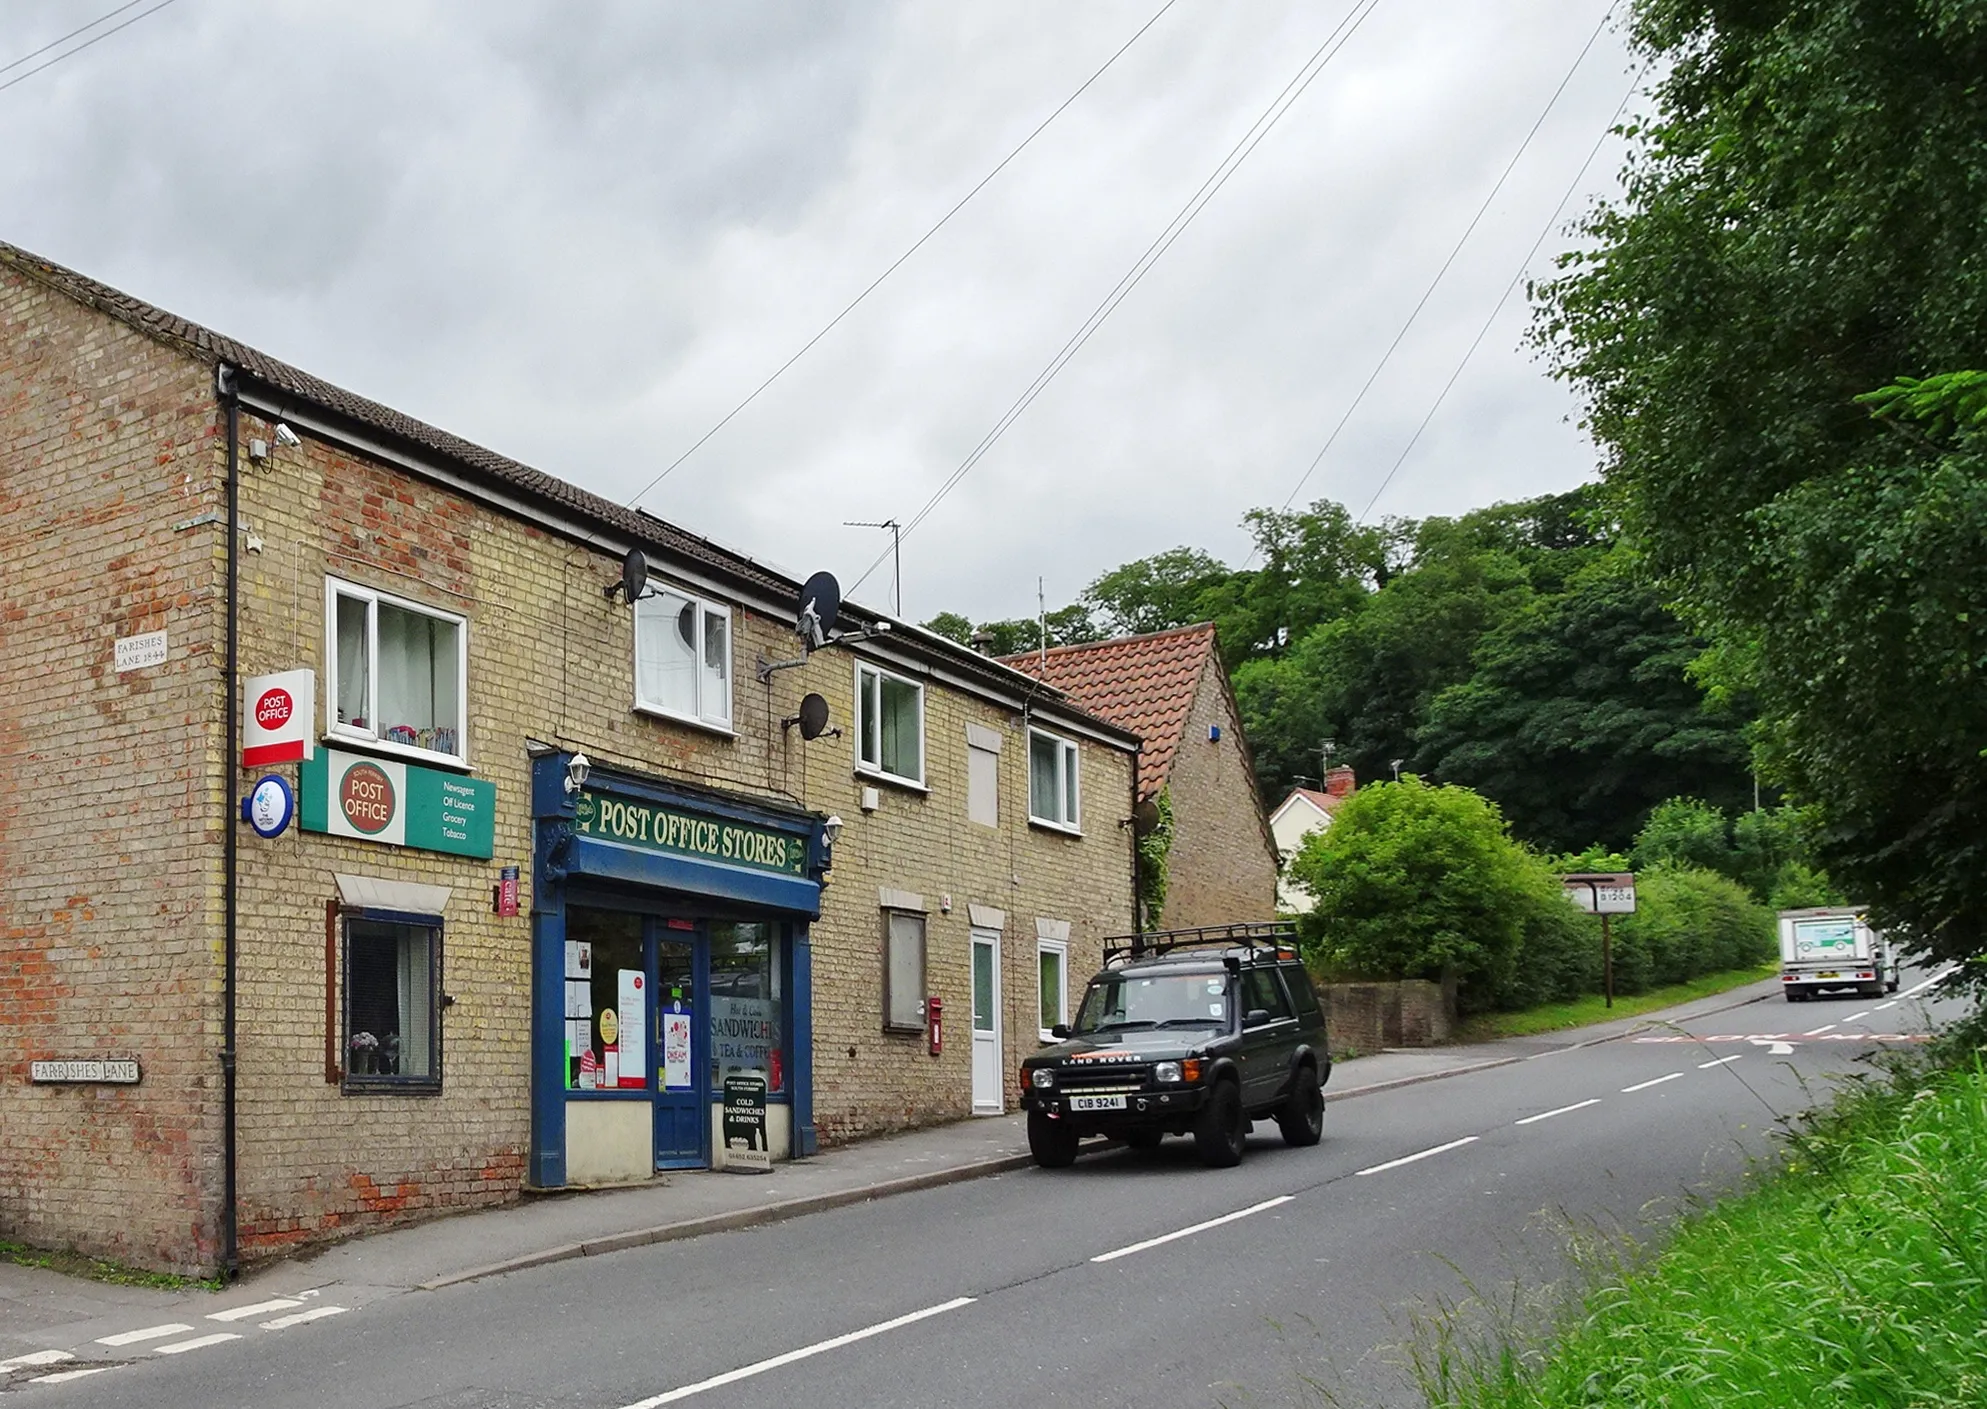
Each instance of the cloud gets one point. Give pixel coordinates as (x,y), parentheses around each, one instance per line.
(581,234)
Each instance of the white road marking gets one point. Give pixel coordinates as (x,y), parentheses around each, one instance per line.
(1857,1017)
(1645,1085)
(197,1343)
(316,1313)
(1706,1066)
(1548,1115)
(1882,1006)
(819,1347)
(1189,1232)
(1410,1159)
(35,1357)
(1816,1032)
(1926,984)
(260,1308)
(150,1333)
(62,1375)
(1775,1047)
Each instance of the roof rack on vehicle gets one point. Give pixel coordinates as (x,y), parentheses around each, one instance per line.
(1278,937)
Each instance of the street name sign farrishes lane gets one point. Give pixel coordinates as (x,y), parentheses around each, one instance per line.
(90,1071)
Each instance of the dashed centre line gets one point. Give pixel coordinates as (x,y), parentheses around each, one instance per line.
(33,1358)
(1548,1115)
(1410,1159)
(1820,1030)
(316,1313)
(1645,1085)
(1857,1017)
(1881,1006)
(63,1376)
(1706,1066)
(1189,1232)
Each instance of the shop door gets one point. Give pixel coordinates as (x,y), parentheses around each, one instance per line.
(987,1065)
(682,1111)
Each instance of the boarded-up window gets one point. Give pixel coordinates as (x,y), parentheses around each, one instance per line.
(983,775)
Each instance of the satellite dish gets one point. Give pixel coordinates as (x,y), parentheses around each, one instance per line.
(634,576)
(1145,818)
(820,604)
(813,716)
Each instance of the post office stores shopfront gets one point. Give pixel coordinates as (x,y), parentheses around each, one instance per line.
(671,958)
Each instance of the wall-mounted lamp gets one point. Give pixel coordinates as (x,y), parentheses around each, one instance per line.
(577,769)
(831,829)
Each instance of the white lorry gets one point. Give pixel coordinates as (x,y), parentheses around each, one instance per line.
(1832,947)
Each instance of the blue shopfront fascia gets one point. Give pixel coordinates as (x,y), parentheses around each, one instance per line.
(564,860)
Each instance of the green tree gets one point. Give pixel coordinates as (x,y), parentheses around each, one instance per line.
(1580,716)
(1157,593)
(1415,881)
(1801,227)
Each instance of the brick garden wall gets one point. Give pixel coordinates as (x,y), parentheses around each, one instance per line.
(110,784)
(1221,868)
(1363,1018)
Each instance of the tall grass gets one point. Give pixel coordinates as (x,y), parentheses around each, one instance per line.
(1856,1277)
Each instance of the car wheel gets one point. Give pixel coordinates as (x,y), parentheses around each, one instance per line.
(1222,1128)
(1051,1142)
(1302,1118)
(1144,1139)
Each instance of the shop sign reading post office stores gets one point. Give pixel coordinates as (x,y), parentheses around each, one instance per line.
(397,804)
(682,834)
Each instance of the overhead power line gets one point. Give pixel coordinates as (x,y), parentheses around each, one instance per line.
(919,244)
(1226,168)
(71,53)
(1509,289)
(1461,240)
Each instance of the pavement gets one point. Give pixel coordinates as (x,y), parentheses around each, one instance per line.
(35,1303)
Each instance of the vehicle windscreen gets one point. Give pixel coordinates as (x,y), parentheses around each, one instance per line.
(1114,1002)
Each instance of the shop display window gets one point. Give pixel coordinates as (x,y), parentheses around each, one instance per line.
(747,1036)
(607,1001)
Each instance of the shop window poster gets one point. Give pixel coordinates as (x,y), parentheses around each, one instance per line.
(633,1070)
(676,1051)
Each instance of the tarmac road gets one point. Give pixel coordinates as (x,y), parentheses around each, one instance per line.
(1128,1280)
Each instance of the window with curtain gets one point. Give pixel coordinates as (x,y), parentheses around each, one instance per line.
(890,725)
(683,658)
(903,971)
(397,672)
(392,1005)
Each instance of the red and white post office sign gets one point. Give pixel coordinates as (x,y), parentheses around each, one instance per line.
(277,711)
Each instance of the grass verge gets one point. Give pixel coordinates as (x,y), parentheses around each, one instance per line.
(1856,1276)
(1486,1027)
(97,1269)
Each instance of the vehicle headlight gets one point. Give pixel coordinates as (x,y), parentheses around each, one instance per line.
(1166,1072)
(1041,1078)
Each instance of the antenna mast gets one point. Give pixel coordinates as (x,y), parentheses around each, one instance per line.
(1042,624)
(896,557)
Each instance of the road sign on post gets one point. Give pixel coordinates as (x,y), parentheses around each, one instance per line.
(1607,894)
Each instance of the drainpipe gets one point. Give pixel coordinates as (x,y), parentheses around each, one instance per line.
(227,390)
(1137,880)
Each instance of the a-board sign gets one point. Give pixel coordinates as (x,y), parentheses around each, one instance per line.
(1602,892)
(746,1147)
(91,1071)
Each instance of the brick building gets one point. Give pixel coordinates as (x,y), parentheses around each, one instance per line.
(560,864)
(1171,689)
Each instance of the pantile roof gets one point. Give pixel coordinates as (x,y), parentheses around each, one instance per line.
(1142,683)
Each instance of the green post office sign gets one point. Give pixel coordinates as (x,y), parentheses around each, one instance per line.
(397,804)
(686,834)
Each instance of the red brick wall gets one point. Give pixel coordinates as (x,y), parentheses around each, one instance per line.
(110,789)
(1221,868)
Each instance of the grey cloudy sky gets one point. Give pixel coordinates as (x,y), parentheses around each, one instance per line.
(580,234)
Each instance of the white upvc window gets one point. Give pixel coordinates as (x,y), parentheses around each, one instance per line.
(397,673)
(890,725)
(1054,793)
(683,658)
(1052,985)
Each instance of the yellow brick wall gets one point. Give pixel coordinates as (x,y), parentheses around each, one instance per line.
(1221,868)
(551,659)
(110,788)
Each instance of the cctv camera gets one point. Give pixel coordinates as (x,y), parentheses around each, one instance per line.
(286,437)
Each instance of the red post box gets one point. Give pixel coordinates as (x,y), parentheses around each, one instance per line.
(935,1023)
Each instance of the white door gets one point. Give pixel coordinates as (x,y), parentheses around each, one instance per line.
(987,1065)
